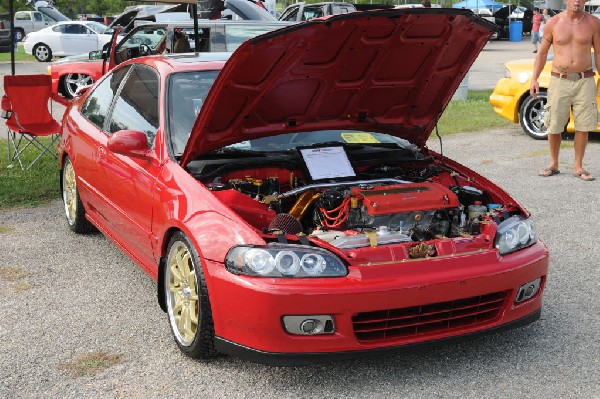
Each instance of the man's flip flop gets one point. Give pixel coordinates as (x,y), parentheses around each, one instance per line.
(585,176)
(547,172)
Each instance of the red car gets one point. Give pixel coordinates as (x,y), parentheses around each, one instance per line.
(285,201)
(73,73)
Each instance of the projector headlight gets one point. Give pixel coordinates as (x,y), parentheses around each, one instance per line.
(513,234)
(284,260)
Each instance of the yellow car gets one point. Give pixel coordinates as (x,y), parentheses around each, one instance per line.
(511,98)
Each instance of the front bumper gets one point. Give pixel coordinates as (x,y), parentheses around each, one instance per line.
(248,312)
(303,359)
(506,98)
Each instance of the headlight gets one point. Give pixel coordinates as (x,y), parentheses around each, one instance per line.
(507,73)
(279,260)
(513,234)
(523,77)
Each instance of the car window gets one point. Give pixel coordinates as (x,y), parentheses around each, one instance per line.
(290,14)
(312,12)
(185,94)
(150,36)
(340,9)
(204,38)
(136,106)
(97,105)
(75,29)
(37,16)
(235,35)
(22,16)
(48,19)
(97,27)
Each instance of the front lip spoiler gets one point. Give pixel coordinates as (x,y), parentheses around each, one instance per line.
(309,358)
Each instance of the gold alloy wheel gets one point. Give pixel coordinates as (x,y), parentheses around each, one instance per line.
(70,192)
(182,294)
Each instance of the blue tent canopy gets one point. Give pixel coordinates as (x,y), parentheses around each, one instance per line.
(474,4)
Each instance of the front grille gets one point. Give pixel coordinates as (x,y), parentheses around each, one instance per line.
(394,324)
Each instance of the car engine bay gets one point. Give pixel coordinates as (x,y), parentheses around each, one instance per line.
(412,201)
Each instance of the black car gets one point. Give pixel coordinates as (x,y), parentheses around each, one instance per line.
(5,39)
(503,21)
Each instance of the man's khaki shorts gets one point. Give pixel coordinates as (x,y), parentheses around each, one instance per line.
(564,94)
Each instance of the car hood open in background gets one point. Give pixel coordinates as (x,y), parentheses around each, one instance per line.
(388,71)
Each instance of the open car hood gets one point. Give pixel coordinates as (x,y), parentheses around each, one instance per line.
(387,71)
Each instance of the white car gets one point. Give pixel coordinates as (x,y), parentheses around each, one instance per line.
(66,38)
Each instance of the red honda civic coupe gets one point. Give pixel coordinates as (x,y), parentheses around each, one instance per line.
(285,201)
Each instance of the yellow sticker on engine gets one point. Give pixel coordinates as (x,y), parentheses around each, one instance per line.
(359,138)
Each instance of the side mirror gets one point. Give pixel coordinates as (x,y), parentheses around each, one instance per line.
(131,143)
(95,55)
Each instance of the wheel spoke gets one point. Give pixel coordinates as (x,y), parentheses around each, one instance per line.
(176,272)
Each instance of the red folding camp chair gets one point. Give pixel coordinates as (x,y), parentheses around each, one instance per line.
(25,107)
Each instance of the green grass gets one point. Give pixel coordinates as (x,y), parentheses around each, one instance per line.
(20,55)
(40,184)
(35,186)
(473,114)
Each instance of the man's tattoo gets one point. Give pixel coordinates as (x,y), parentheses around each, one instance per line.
(563,69)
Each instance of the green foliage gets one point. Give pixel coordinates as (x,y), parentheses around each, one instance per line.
(473,114)
(37,185)
(19,55)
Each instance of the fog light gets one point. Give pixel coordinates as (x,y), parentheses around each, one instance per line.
(528,290)
(309,324)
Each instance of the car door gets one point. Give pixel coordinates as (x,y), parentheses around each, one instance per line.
(78,39)
(39,22)
(128,182)
(88,142)
(290,13)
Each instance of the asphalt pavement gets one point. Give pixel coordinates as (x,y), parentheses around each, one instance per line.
(72,295)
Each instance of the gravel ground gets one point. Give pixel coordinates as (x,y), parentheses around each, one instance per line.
(80,294)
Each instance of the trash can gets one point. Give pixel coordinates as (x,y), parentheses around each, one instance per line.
(515,31)
(463,89)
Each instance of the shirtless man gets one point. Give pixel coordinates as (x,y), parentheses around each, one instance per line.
(572,33)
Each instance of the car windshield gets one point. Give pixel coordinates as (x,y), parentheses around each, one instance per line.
(291,141)
(150,36)
(97,27)
(186,94)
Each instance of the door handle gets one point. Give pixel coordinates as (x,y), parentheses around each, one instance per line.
(101,152)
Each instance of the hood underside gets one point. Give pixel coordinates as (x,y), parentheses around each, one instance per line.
(388,71)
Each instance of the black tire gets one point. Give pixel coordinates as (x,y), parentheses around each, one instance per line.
(72,82)
(186,299)
(531,116)
(74,210)
(42,52)
(19,34)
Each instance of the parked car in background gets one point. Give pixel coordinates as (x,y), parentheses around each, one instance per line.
(232,9)
(511,98)
(286,201)
(72,73)
(5,38)
(304,11)
(510,13)
(66,38)
(32,21)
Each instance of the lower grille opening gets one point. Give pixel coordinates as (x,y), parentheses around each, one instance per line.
(427,319)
